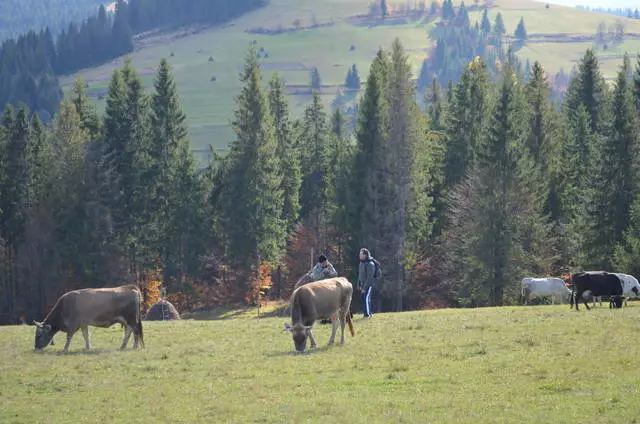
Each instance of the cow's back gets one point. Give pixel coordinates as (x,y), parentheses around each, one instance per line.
(320,299)
(598,283)
(101,307)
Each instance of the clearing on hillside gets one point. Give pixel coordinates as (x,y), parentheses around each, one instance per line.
(512,364)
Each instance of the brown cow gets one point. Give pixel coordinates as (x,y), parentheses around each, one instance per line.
(79,309)
(329,298)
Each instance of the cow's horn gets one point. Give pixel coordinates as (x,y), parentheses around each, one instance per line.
(37,324)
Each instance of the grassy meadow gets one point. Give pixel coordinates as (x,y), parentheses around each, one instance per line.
(513,364)
(209,104)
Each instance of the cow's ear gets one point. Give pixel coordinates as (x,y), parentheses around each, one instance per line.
(308,327)
(287,327)
(47,327)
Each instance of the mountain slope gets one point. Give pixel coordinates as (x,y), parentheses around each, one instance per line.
(332,35)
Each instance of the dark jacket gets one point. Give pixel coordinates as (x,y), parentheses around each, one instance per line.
(366,272)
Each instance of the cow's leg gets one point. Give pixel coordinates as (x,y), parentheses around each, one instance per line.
(69,337)
(313,340)
(85,334)
(127,334)
(334,328)
(343,322)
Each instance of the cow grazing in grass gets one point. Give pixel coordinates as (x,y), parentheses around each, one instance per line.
(79,309)
(329,298)
(596,283)
(544,287)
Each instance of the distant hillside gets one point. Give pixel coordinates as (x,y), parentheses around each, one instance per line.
(294,36)
(20,16)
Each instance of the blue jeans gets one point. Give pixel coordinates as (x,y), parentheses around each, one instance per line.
(366,303)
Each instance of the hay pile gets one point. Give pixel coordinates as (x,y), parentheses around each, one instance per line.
(162,311)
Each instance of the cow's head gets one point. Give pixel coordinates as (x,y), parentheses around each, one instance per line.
(300,334)
(44,335)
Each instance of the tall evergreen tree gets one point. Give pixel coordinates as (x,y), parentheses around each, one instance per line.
(465,120)
(287,152)
(521,31)
(317,196)
(485,25)
(252,199)
(617,184)
(498,26)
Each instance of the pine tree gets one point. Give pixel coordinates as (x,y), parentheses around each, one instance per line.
(540,141)
(448,13)
(318,193)
(589,89)
(485,26)
(384,9)
(617,184)
(252,198)
(636,84)
(506,239)
(435,106)
(498,26)
(369,167)
(465,120)
(287,152)
(423,77)
(462,18)
(521,31)
(86,109)
(316,82)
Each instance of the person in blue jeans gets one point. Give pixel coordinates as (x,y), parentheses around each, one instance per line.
(366,280)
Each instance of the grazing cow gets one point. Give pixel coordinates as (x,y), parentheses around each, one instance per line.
(329,298)
(543,287)
(597,283)
(79,309)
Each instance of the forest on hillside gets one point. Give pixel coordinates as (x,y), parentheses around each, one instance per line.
(17,17)
(30,63)
(489,183)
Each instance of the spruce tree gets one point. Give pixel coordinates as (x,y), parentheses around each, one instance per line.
(252,198)
(86,109)
(435,106)
(465,120)
(485,25)
(287,152)
(498,26)
(521,31)
(317,194)
(617,183)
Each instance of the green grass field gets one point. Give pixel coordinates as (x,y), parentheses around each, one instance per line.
(541,364)
(209,104)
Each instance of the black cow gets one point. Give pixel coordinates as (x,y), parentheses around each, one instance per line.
(598,283)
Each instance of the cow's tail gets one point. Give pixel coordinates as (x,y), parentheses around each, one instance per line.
(350,323)
(139,330)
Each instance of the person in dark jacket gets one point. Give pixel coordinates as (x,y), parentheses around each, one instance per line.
(366,281)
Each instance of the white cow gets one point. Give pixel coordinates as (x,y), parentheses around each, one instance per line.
(544,287)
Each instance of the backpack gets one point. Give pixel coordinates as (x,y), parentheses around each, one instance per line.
(378,272)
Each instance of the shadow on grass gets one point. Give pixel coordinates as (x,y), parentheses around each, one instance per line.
(294,353)
(224,313)
(82,352)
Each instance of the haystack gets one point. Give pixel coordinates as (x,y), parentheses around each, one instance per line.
(162,311)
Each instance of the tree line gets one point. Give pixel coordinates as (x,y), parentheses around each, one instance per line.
(489,183)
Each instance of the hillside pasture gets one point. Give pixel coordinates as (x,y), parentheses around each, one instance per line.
(511,364)
(330,35)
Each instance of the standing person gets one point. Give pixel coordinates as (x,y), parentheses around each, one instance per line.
(368,274)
